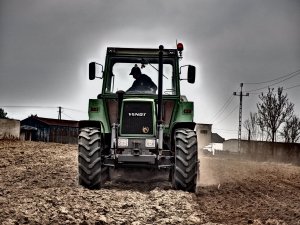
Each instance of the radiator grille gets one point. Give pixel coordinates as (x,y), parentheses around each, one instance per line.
(137,118)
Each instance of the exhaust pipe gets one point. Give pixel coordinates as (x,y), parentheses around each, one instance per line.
(160,84)
(159,102)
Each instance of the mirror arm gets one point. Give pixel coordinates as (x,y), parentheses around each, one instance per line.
(101,70)
(180,70)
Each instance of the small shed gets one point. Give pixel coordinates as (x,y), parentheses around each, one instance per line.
(203,134)
(50,130)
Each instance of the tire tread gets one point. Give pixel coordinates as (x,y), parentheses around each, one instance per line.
(185,171)
(92,174)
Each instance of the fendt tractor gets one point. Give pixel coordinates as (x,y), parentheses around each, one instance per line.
(147,126)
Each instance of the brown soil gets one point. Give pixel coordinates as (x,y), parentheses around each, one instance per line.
(38,185)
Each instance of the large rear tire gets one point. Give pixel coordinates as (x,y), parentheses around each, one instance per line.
(185,169)
(92,174)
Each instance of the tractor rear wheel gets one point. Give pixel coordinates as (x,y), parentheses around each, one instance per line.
(185,170)
(92,174)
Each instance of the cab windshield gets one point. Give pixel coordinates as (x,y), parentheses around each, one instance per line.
(120,79)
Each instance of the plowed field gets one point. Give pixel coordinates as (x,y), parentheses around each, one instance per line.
(38,185)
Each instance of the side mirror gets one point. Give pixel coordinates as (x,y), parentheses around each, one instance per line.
(93,70)
(191,74)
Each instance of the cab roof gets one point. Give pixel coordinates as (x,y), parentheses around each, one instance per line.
(140,51)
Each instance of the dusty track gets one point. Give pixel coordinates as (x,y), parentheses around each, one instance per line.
(38,185)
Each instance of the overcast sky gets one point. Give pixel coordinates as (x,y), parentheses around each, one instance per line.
(45,47)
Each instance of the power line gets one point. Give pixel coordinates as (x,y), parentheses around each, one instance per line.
(67,115)
(292,87)
(76,110)
(223,108)
(276,78)
(258,93)
(42,107)
(294,74)
(60,112)
(227,130)
(228,114)
(224,129)
(22,106)
(220,129)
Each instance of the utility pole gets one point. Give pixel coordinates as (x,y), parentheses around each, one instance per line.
(59,112)
(241,94)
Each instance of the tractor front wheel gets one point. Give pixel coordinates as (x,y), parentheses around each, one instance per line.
(92,174)
(185,169)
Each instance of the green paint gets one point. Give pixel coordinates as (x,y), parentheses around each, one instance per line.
(97,111)
(185,112)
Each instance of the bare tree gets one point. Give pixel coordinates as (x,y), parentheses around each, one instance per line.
(291,130)
(273,110)
(251,126)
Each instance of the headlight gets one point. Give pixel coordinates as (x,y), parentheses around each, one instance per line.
(122,142)
(150,143)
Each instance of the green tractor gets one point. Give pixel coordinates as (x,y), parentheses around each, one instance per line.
(148,127)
